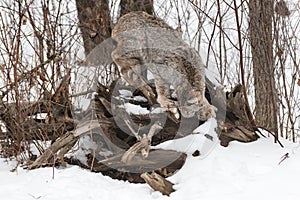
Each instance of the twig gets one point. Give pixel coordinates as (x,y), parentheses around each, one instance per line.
(143,144)
(285,156)
(249,114)
(277,139)
(53,166)
(136,134)
(93,160)
(26,75)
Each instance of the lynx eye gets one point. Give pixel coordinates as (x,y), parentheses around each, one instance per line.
(192,101)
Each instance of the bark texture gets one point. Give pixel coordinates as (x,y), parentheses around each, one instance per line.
(261,15)
(136,5)
(94,22)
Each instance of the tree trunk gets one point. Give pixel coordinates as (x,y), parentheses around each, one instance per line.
(94,22)
(261,15)
(94,18)
(127,6)
(136,5)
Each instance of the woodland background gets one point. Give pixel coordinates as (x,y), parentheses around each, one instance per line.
(44,43)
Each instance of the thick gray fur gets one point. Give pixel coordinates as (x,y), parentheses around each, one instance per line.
(147,42)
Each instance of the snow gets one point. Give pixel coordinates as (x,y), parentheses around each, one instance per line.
(135,109)
(197,141)
(240,171)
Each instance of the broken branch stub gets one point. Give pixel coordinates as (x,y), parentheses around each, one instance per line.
(158,183)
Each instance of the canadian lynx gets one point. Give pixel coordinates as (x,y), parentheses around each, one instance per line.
(145,42)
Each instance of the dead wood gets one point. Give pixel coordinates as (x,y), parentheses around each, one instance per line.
(158,183)
(49,156)
(157,159)
(22,124)
(114,129)
(163,162)
(63,145)
(115,126)
(118,129)
(238,124)
(115,169)
(28,75)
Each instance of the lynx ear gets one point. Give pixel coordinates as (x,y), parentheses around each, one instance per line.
(178,32)
(178,29)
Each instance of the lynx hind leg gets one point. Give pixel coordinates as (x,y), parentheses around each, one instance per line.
(164,95)
(206,110)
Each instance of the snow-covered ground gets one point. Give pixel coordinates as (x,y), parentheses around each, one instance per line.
(240,171)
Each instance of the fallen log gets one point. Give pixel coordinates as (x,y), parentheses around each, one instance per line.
(62,145)
(23,124)
(157,159)
(158,183)
(114,128)
(163,162)
(238,124)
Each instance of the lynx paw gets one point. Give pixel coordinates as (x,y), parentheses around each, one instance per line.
(169,105)
(189,111)
(207,111)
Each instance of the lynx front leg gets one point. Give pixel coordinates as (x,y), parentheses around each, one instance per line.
(164,95)
(136,79)
(130,70)
(206,110)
